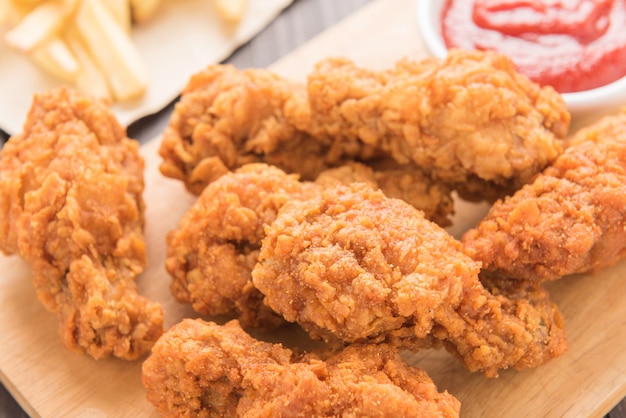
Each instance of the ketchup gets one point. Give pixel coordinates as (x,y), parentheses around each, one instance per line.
(571,45)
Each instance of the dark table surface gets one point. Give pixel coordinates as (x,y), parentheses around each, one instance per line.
(301,21)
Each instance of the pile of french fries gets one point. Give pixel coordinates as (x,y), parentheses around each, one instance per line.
(83,42)
(87,43)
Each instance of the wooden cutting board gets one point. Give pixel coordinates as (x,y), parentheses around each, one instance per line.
(49,381)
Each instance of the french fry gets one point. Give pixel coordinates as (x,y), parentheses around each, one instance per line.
(121,11)
(5,10)
(14,11)
(231,11)
(42,23)
(27,4)
(19,8)
(55,58)
(142,10)
(89,79)
(112,49)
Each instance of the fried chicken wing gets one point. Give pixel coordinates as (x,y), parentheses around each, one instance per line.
(352,265)
(570,219)
(71,205)
(227,118)
(202,369)
(471,121)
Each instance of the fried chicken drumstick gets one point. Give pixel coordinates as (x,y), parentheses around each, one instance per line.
(470,121)
(352,265)
(71,206)
(202,369)
(570,219)
(227,118)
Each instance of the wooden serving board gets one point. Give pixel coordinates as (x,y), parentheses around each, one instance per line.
(49,381)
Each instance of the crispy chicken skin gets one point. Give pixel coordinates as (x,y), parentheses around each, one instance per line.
(202,369)
(227,118)
(501,323)
(570,219)
(71,206)
(410,185)
(470,120)
(352,265)
(215,247)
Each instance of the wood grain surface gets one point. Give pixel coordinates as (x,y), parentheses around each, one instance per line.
(49,381)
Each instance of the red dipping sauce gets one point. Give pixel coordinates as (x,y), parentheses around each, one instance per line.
(571,45)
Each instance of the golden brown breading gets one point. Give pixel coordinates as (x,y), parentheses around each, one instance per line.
(227,118)
(202,369)
(571,219)
(352,265)
(610,128)
(471,121)
(215,247)
(501,323)
(404,182)
(71,206)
